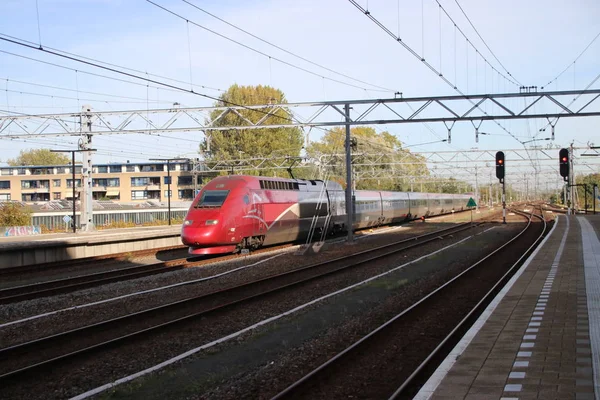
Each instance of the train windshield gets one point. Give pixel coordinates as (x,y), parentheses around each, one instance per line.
(212,198)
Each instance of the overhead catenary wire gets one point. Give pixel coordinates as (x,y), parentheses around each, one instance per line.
(109,64)
(480,37)
(286,51)
(369,15)
(131,75)
(89,73)
(573,62)
(83,91)
(289,64)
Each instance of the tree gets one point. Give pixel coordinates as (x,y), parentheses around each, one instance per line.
(39,157)
(13,214)
(234,144)
(378,160)
(589,180)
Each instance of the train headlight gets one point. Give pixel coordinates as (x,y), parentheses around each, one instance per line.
(187,222)
(212,221)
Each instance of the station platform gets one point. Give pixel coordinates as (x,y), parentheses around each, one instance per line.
(47,248)
(540,337)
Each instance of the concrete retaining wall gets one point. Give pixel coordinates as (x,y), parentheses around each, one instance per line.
(45,251)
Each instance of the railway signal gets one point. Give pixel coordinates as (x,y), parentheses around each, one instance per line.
(500,165)
(563,161)
(500,175)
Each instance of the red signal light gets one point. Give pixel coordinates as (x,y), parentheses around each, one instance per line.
(563,157)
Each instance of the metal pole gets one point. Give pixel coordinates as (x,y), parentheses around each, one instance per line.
(73,175)
(476,194)
(349,205)
(169,190)
(565,195)
(503,202)
(86,217)
(585,195)
(571,181)
(595,196)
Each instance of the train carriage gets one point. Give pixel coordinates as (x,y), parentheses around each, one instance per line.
(235,212)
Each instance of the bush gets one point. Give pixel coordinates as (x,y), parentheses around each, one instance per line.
(13,214)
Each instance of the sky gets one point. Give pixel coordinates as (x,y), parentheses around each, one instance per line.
(533,43)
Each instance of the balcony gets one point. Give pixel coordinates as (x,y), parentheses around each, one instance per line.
(36,190)
(99,189)
(153,187)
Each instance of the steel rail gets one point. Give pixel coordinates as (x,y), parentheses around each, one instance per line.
(486,298)
(282,280)
(290,390)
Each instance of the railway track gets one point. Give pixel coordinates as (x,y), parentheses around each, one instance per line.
(53,287)
(59,286)
(40,356)
(57,266)
(71,284)
(386,363)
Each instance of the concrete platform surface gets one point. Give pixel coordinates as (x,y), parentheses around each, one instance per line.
(540,337)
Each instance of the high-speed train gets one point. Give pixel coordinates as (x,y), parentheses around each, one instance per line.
(234,212)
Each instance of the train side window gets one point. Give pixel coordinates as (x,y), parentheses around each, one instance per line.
(246,199)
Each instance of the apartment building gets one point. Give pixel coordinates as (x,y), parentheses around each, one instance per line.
(118,182)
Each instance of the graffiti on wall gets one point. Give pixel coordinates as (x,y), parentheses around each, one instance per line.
(22,230)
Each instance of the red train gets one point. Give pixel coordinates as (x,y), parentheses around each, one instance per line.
(235,212)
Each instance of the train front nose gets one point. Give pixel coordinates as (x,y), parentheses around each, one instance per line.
(200,232)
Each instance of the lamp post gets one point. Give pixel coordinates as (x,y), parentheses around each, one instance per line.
(169,160)
(73,177)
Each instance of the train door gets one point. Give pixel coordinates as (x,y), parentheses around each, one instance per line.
(259,227)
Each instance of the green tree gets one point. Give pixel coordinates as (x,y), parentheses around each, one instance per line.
(39,157)
(378,159)
(232,144)
(13,214)
(589,180)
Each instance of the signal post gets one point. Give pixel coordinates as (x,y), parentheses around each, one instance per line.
(500,175)
(564,168)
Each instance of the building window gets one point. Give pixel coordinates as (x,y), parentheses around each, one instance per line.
(5,171)
(139,181)
(130,168)
(55,182)
(184,180)
(41,171)
(22,171)
(113,182)
(4,184)
(167,193)
(185,194)
(70,183)
(5,197)
(61,170)
(103,169)
(35,197)
(167,180)
(149,168)
(56,196)
(35,184)
(139,195)
(185,167)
